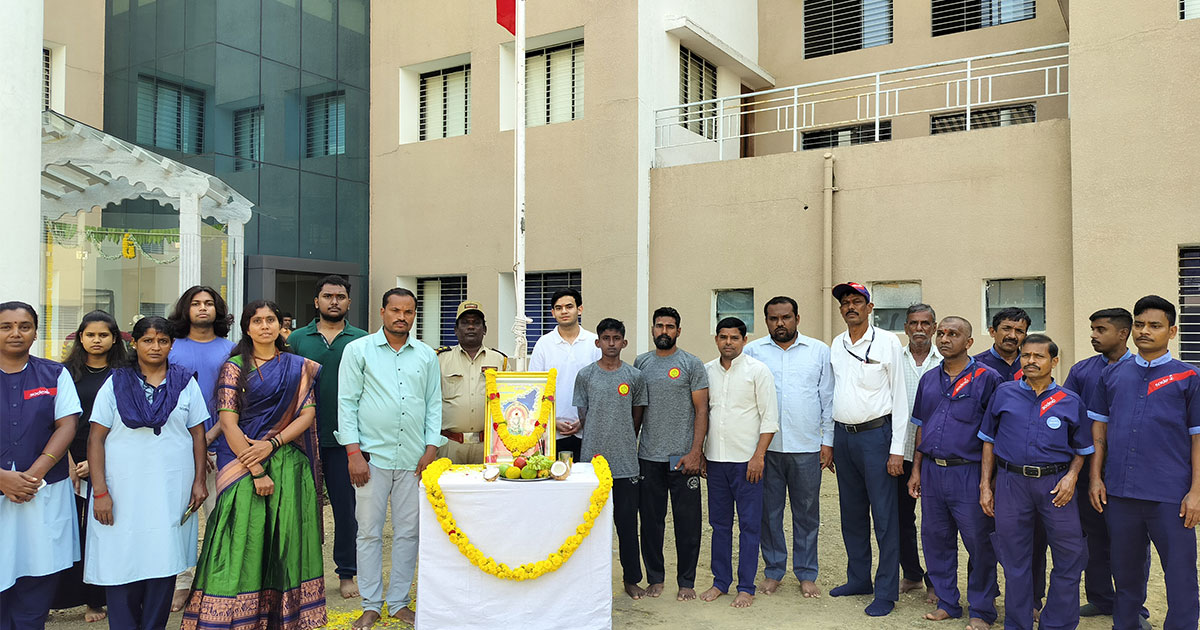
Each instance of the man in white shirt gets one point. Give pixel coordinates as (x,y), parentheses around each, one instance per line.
(920,356)
(743,415)
(870,414)
(567,348)
(801,448)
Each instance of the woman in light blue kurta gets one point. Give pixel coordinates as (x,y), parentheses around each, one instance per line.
(147,456)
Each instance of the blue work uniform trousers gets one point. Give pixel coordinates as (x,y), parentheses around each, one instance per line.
(864,489)
(1132,524)
(949,509)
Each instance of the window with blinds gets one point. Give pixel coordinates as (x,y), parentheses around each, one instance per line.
(983,118)
(698,82)
(437,305)
(1189,9)
(1189,305)
(325,124)
(539,288)
(45,78)
(554,84)
(445,103)
(170,115)
(835,26)
(846,136)
(248,137)
(957,16)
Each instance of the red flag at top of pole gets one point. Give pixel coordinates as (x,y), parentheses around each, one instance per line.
(506,15)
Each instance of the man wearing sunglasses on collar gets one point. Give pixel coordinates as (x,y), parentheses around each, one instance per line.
(948,411)
(870,413)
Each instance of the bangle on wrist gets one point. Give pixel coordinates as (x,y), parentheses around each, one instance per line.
(100,495)
(260,475)
(50,456)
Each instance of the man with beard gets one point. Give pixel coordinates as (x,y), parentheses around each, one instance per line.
(323,341)
(670,454)
(919,357)
(870,413)
(1110,339)
(200,322)
(800,449)
(464,385)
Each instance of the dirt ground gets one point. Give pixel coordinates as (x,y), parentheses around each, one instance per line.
(784,609)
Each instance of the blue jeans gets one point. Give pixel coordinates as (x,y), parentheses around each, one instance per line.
(795,476)
(727,489)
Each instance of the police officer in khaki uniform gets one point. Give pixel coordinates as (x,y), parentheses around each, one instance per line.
(464,396)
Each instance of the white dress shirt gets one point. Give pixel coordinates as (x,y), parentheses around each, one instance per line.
(741,407)
(552,351)
(912,378)
(864,391)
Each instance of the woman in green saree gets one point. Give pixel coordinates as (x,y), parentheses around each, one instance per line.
(261,566)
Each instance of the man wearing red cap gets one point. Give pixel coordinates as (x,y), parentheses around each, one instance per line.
(870,414)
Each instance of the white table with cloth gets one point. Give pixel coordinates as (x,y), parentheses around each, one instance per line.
(515,523)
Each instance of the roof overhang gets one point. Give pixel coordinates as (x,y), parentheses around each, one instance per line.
(714,49)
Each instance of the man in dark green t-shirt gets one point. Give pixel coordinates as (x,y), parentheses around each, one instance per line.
(323,340)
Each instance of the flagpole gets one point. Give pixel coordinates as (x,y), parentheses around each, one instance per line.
(519,189)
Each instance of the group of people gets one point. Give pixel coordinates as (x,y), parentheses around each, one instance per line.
(106,458)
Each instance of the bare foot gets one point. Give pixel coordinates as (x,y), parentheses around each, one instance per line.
(938,615)
(769,586)
(930,596)
(711,594)
(406,615)
(978,624)
(1037,615)
(179,600)
(809,588)
(94,614)
(909,585)
(348,588)
(366,620)
(654,590)
(634,591)
(743,600)
(685,594)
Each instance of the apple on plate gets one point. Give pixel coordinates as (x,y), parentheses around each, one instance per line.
(519,462)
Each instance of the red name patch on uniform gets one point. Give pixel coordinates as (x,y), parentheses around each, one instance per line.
(966,380)
(40,391)
(1159,383)
(1051,401)
(1019,375)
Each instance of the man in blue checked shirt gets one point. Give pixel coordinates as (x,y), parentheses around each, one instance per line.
(1147,425)
(1037,434)
(948,410)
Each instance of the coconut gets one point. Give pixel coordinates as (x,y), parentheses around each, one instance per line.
(559,470)
(491,473)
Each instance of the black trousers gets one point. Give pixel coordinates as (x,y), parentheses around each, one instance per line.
(336,468)
(569,443)
(657,483)
(141,605)
(626,497)
(910,558)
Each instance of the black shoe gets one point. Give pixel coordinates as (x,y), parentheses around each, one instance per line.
(1091,610)
(1144,623)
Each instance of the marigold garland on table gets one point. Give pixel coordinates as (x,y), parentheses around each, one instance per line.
(519,444)
(529,570)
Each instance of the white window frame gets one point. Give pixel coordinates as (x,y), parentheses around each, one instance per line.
(438,98)
(438,298)
(554,78)
(876,288)
(1033,327)
(746,315)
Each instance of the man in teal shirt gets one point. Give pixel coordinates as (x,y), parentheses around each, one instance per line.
(390,421)
(323,341)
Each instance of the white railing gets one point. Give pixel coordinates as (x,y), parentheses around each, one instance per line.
(713,129)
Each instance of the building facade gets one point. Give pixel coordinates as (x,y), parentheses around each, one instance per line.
(972,155)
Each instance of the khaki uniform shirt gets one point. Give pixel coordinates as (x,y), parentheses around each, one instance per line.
(464,398)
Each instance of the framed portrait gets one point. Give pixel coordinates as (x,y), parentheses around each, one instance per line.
(518,402)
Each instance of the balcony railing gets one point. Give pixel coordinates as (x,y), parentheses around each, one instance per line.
(869,107)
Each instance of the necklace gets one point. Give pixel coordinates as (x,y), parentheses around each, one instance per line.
(95,370)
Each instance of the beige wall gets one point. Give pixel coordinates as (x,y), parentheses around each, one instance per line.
(951,211)
(445,206)
(1134,137)
(74,29)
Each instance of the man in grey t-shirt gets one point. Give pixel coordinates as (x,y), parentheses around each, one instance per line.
(611,396)
(670,453)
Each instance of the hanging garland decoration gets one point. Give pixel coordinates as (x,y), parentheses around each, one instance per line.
(65,234)
(529,570)
(519,444)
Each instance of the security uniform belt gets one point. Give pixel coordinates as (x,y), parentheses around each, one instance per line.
(868,425)
(1034,472)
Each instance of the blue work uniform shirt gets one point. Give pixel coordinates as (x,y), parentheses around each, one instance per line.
(1007,371)
(1152,409)
(1085,375)
(1032,430)
(950,410)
